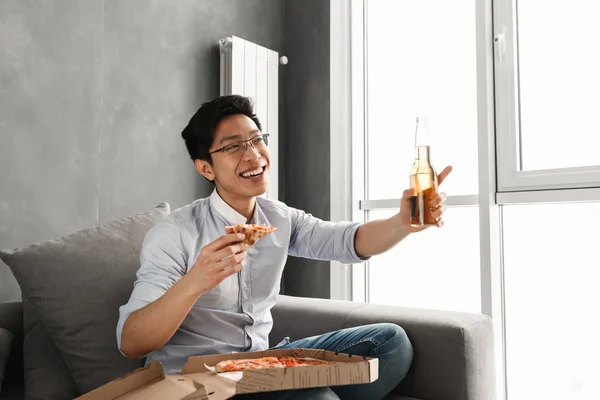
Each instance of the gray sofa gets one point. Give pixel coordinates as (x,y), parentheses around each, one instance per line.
(453,352)
(64,329)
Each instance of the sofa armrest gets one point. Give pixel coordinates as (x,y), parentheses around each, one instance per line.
(11,319)
(453,351)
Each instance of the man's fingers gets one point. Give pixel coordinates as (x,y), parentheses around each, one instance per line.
(229,251)
(230,261)
(442,175)
(438,212)
(225,241)
(230,271)
(439,199)
(406,195)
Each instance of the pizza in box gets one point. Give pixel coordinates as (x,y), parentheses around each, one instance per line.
(266,363)
(253,232)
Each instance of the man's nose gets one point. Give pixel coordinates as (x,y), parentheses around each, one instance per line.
(250,151)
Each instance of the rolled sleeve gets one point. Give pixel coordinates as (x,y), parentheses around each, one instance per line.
(163,261)
(314,238)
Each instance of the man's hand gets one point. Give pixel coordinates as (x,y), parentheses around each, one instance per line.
(376,237)
(437,203)
(218,260)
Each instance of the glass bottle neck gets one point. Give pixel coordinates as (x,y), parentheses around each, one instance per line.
(421,134)
(422,152)
(422,148)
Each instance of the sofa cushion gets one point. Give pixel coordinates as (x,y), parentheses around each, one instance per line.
(77,284)
(6,339)
(45,373)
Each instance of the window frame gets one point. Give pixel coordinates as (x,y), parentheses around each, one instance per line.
(347,140)
(511,177)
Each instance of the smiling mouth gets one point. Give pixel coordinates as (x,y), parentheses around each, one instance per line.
(255,173)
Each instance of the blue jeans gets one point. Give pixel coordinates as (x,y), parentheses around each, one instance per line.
(387,342)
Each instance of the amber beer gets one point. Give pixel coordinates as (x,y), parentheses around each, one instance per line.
(423,179)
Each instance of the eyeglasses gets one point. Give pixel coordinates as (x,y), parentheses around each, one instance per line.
(239,148)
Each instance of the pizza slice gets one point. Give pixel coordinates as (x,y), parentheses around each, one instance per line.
(252,232)
(267,362)
(248,364)
(301,361)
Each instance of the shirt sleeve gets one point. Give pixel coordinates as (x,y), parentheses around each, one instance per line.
(314,238)
(163,261)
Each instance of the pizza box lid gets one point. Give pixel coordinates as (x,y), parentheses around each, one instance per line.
(150,383)
(349,370)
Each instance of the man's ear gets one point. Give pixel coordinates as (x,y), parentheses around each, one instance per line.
(205,169)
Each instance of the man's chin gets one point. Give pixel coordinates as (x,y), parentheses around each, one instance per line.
(258,191)
(253,190)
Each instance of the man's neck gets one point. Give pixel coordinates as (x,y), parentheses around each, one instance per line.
(243,205)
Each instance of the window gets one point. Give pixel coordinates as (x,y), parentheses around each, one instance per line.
(437,269)
(552,272)
(411,73)
(420,62)
(547,94)
(510,93)
(560,113)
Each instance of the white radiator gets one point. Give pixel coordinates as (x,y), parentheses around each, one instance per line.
(251,70)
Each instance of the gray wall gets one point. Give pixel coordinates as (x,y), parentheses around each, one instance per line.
(307,132)
(94,95)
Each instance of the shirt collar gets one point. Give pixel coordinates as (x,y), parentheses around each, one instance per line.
(232,216)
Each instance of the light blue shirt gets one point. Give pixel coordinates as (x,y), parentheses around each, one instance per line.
(235,316)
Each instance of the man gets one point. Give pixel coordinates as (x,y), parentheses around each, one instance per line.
(201,291)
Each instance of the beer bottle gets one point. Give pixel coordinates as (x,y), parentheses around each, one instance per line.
(423,179)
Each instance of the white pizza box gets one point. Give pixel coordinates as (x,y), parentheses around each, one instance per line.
(199,382)
(348,370)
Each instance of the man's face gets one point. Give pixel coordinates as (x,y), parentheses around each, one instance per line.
(238,173)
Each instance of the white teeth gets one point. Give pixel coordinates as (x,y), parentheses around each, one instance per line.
(252,173)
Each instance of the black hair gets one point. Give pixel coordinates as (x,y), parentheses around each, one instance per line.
(199,134)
